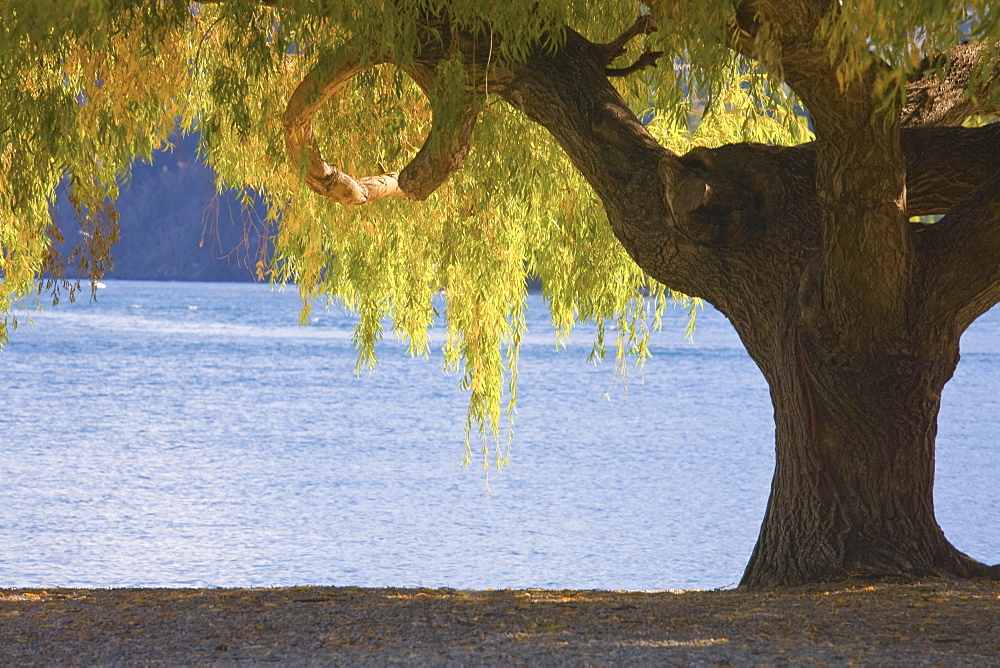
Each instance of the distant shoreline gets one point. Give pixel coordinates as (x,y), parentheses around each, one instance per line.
(534,284)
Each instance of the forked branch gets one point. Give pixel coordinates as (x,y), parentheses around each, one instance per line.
(643,26)
(444,149)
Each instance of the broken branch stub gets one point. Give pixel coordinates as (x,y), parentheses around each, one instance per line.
(444,150)
(683,190)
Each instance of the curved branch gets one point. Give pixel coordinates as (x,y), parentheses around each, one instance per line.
(444,149)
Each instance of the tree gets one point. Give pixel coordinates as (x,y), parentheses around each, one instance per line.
(535,162)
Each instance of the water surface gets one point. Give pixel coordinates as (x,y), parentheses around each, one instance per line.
(192,434)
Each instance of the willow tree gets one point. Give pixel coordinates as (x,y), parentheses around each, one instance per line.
(502,140)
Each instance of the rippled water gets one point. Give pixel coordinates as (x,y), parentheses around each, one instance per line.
(186,434)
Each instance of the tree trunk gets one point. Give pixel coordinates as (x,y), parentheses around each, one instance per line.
(853,488)
(852,314)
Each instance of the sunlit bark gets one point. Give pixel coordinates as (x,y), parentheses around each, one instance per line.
(444,149)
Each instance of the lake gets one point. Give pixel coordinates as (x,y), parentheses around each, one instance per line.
(193,435)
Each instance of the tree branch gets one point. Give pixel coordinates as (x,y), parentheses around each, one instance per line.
(960,255)
(444,149)
(943,165)
(931,100)
(643,26)
(648,59)
(859,164)
(863,159)
(683,220)
(568,93)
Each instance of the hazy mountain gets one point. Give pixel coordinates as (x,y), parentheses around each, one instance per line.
(173,224)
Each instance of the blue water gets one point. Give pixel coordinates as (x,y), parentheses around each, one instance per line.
(186,434)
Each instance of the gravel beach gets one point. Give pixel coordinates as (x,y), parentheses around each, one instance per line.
(928,623)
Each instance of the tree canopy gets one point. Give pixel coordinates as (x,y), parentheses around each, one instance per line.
(91,87)
(487,146)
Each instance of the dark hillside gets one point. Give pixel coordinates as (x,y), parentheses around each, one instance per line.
(174,226)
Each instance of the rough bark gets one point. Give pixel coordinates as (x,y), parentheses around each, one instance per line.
(939,96)
(852,493)
(856,404)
